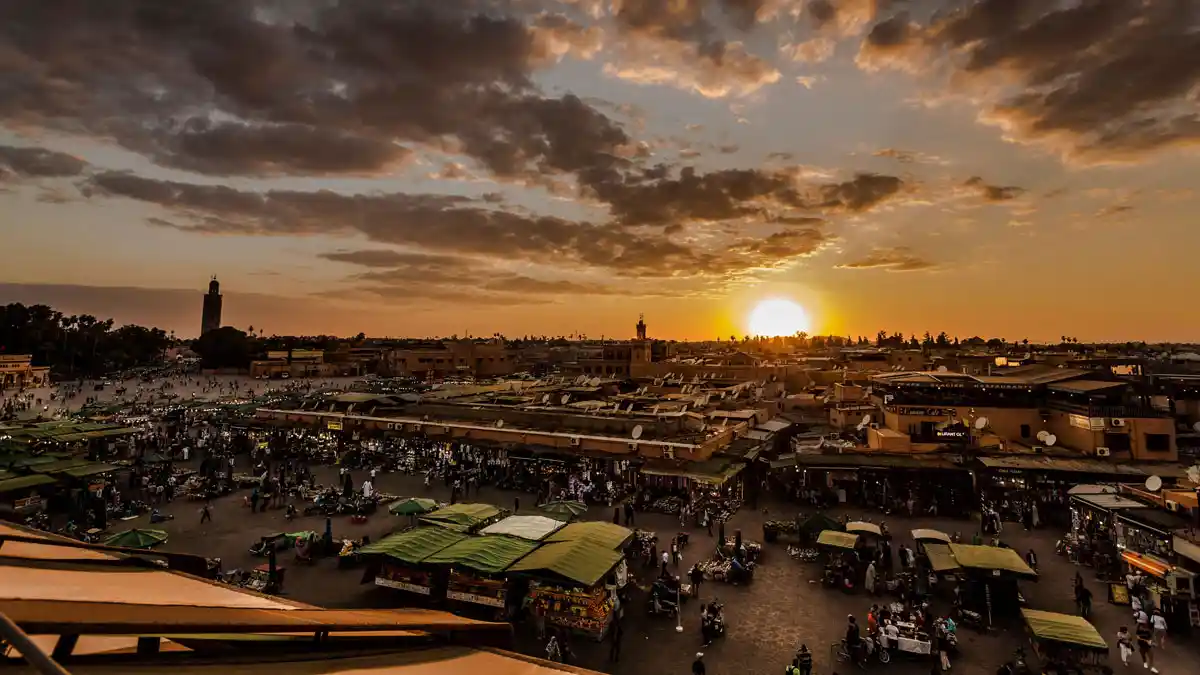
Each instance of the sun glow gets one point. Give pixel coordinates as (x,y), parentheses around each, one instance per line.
(778,317)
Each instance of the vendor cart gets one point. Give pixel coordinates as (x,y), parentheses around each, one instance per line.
(1063,643)
(260,579)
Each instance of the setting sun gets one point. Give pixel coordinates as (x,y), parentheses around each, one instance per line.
(778,317)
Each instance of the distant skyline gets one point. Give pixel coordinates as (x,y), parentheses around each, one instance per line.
(1010,168)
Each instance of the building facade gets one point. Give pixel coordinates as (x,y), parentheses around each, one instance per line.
(210,318)
(18,372)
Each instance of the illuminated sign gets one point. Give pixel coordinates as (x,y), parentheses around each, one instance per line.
(404,586)
(477,599)
(920,411)
(333,426)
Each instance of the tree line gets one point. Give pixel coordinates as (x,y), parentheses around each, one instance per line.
(78,345)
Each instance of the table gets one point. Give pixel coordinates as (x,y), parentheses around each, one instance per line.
(914,646)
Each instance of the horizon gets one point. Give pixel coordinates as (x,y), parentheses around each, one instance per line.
(410,167)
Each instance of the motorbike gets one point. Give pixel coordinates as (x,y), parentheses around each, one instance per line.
(972,619)
(659,606)
(803,554)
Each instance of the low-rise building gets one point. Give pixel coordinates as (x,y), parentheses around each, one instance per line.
(18,372)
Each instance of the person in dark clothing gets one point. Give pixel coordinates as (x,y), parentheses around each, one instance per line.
(206,513)
(698,664)
(804,660)
(1084,596)
(853,639)
(516,504)
(614,647)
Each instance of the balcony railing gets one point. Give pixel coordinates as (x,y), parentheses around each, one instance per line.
(1127,410)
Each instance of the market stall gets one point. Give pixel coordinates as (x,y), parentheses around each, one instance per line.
(530,528)
(841,569)
(1064,643)
(476,568)
(397,561)
(607,535)
(464,518)
(569,584)
(992,573)
(923,537)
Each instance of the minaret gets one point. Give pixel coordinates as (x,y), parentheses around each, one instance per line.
(210,318)
(641,327)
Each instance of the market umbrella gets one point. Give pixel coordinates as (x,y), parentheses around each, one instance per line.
(136,538)
(566,510)
(412,506)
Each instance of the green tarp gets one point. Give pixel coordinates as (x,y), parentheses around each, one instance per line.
(819,522)
(414,546)
(491,554)
(991,558)
(580,561)
(24,483)
(136,538)
(606,535)
(59,466)
(940,558)
(1065,628)
(461,517)
(412,506)
(89,470)
(838,539)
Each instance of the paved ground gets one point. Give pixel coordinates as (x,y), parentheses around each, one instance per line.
(766,620)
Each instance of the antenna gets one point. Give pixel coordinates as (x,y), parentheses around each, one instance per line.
(1153,483)
(1051,439)
(545,398)
(981,423)
(637,432)
(595,382)
(566,398)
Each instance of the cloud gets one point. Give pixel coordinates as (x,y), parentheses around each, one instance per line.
(899,259)
(1096,81)
(24,162)
(994,193)
(301,88)
(909,156)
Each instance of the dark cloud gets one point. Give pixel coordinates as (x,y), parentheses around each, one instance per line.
(389,258)
(297,88)
(787,244)
(898,259)
(994,193)
(1096,80)
(861,193)
(38,163)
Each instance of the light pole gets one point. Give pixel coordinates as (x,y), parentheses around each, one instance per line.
(678,612)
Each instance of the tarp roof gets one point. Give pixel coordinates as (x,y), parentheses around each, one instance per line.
(1044,463)
(461,517)
(581,561)
(861,528)
(490,554)
(1154,519)
(838,539)
(991,558)
(930,535)
(940,557)
(414,546)
(870,460)
(819,522)
(24,483)
(533,528)
(89,470)
(1064,628)
(1108,502)
(607,535)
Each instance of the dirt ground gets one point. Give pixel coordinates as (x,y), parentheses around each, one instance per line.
(767,620)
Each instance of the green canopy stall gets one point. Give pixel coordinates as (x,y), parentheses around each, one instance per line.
(399,558)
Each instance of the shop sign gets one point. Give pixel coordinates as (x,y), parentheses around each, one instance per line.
(401,585)
(1085,422)
(28,504)
(952,434)
(471,597)
(920,411)
(333,426)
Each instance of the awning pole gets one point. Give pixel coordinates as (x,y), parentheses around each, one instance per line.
(30,651)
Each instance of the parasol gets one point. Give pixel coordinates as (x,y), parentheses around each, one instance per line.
(136,538)
(412,506)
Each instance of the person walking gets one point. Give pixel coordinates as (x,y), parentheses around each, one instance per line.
(1158,628)
(1124,645)
(206,513)
(1145,643)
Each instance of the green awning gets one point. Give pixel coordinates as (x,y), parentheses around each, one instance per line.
(1065,628)
(24,483)
(461,517)
(581,562)
(991,558)
(89,470)
(414,546)
(490,554)
(819,522)
(60,466)
(838,539)
(605,535)
(940,558)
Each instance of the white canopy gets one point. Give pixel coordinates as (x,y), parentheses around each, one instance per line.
(532,528)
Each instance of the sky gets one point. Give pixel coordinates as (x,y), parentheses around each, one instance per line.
(1023,169)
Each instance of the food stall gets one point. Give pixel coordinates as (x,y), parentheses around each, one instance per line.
(476,567)
(398,561)
(923,537)
(992,573)
(841,569)
(465,518)
(574,584)
(1064,643)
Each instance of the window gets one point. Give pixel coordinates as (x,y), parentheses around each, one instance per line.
(1025,431)
(1118,442)
(1158,442)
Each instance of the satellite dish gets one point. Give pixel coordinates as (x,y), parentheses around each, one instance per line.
(943,369)
(1196,427)
(654,411)
(637,432)
(566,398)
(865,420)
(1051,439)
(545,398)
(1041,435)
(981,423)
(595,382)
(1154,483)
(499,424)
